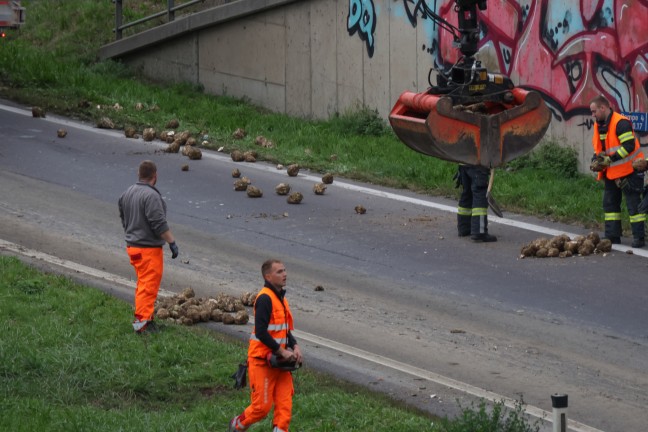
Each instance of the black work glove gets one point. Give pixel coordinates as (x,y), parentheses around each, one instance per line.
(240,376)
(174,250)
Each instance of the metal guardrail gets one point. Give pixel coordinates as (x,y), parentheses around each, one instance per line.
(170,13)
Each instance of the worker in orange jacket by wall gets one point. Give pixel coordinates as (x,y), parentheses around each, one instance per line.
(272,335)
(615,149)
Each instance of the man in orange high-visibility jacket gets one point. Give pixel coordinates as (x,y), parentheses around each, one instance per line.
(272,334)
(615,148)
(143,214)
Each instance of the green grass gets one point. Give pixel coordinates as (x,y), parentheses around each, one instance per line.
(69,361)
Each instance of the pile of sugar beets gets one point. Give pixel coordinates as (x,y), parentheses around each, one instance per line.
(184,308)
(563,247)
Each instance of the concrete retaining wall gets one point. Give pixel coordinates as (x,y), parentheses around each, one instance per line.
(315,58)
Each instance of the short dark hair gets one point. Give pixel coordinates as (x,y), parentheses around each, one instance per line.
(601,100)
(147,170)
(267,265)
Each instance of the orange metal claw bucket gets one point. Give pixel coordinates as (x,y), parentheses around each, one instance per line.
(492,137)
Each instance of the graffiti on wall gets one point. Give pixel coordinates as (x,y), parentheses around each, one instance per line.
(569,51)
(416,8)
(362,20)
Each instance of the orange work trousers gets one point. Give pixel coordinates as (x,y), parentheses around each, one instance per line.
(269,386)
(149,265)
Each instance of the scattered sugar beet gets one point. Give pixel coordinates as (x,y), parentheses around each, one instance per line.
(282,189)
(327,178)
(295,198)
(192,152)
(149,134)
(173,124)
(254,192)
(105,123)
(183,137)
(237,156)
(319,188)
(239,134)
(130,132)
(563,247)
(174,147)
(293,170)
(38,112)
(184,308)
(240,185)
(262,141)
(250,156)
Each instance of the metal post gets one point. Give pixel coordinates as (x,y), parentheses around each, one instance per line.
(171,11)
(559,405)
(118,19)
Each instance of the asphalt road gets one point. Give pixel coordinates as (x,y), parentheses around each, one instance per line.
(407,307)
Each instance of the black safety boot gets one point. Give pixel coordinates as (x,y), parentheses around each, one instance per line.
(463,225)
(483,238)
(638,243)
(150,327)
(614,240)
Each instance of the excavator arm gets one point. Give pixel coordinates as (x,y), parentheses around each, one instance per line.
(470,116)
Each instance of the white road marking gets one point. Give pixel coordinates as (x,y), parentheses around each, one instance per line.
(327,343)
(356,188)
(438,379)
(70,265)
(430,204)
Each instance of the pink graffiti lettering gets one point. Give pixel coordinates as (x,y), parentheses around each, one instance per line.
(568,51)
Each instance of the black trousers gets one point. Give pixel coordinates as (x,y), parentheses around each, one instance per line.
(612,197)
(472,216)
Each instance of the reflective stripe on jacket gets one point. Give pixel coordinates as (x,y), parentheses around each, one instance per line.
(622,167)
(281,322)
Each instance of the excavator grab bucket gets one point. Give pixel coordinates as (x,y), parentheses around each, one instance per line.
(490,136)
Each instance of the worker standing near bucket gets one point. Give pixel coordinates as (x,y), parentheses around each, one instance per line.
(615,149)
(472,211)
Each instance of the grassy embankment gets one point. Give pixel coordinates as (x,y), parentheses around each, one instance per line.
(52,63)
(69,361)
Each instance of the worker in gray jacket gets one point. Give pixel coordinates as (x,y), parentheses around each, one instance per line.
(143,216)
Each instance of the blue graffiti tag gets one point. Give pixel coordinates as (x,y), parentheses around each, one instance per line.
(362,19)
(413,8)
